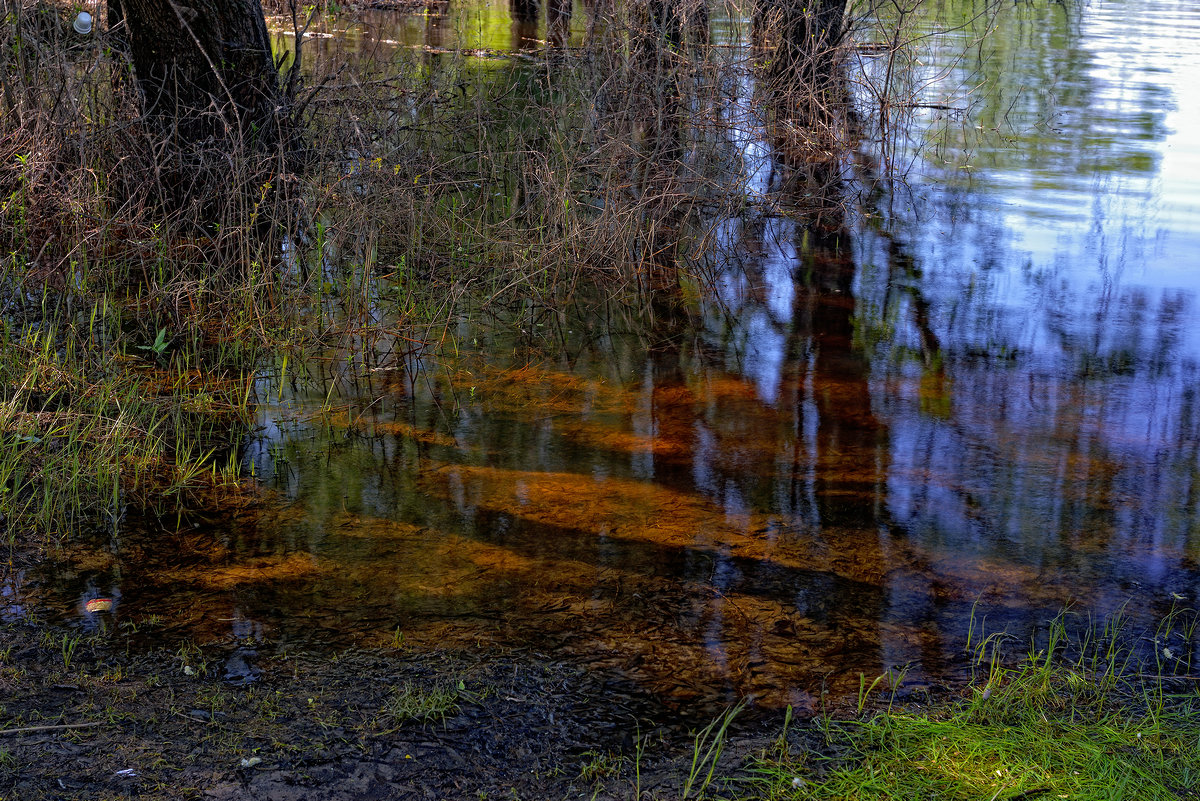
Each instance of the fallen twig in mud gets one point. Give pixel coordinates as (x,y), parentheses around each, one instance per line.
(59,727)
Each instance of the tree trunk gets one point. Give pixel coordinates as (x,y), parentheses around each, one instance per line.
(525,23)
(204,68)
(804,82)
(809,35)
(558,22)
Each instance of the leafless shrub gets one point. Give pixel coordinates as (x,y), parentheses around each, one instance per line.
(613,160)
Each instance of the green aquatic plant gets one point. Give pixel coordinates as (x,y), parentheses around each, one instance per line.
(159,345)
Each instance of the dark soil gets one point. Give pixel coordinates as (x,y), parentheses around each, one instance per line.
(237,721)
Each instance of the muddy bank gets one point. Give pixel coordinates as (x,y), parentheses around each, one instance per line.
(85,717)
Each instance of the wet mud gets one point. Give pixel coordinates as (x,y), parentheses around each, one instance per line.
(84,718)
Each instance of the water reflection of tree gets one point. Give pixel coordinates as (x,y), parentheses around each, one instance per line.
(1043,454)
(841,449)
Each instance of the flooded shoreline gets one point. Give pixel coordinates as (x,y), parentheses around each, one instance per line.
(791,447)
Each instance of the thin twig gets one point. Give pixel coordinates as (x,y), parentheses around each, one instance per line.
(28,729)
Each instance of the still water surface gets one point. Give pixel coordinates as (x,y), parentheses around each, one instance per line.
(980,396)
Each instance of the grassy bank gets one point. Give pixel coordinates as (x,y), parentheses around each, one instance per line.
(1099,714)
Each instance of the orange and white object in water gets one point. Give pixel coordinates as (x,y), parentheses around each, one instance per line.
(99,605)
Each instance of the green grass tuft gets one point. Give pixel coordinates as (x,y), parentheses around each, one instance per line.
(424,704)
(1088,719)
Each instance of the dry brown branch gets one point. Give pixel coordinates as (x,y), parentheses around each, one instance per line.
(59,727)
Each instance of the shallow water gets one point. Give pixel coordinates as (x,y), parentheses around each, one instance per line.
(976,397)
